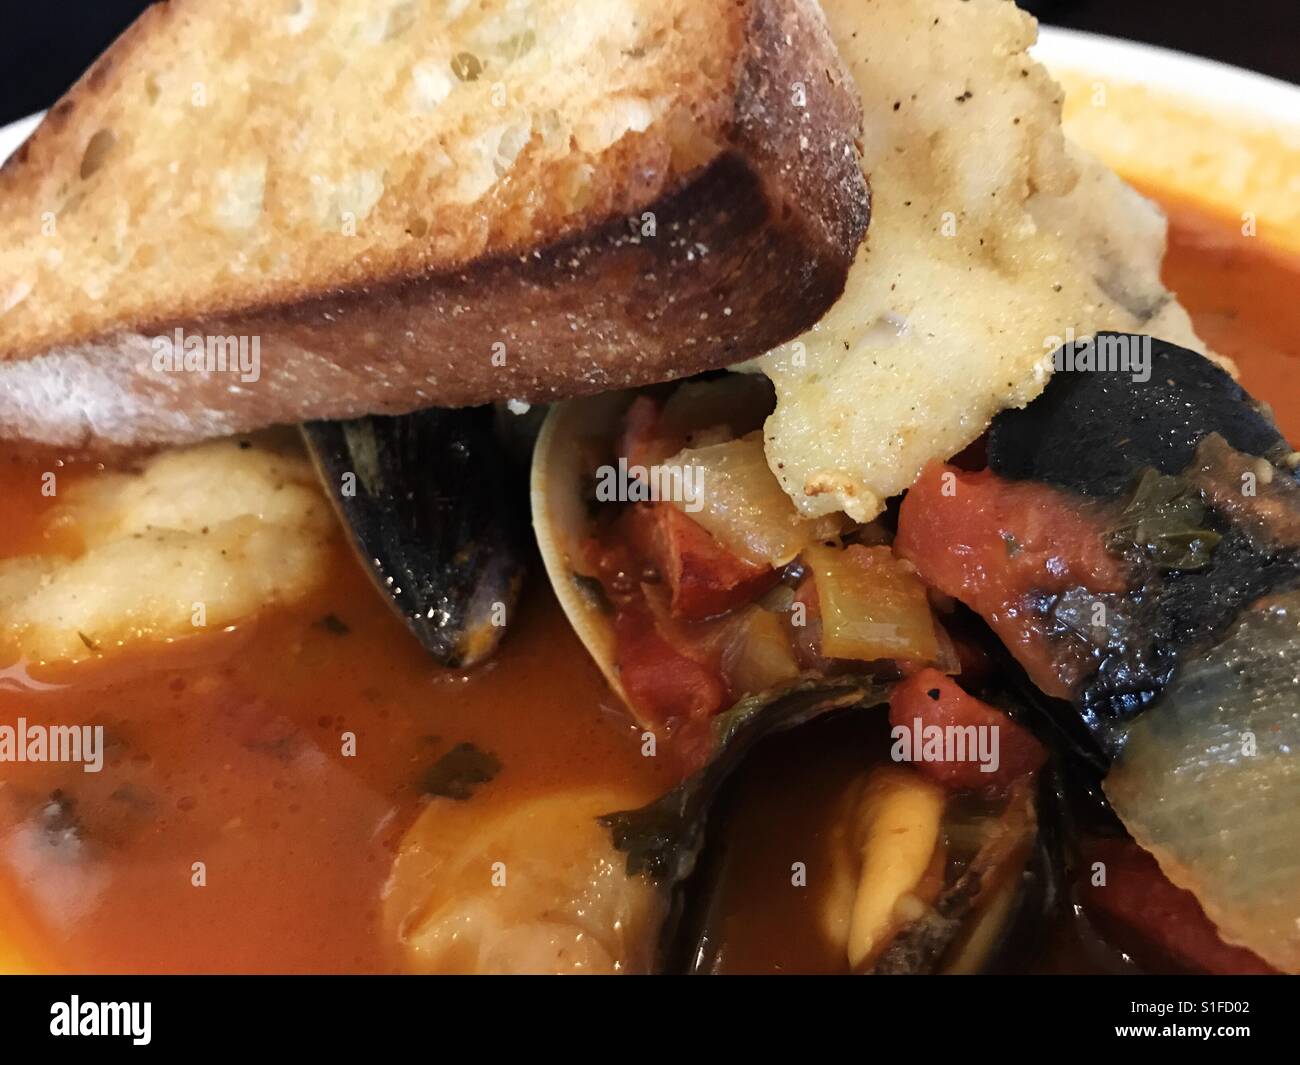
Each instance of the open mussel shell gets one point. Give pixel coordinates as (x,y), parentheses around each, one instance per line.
(665,839)
(430,504)
(572,435)
(992,910)
(994,915)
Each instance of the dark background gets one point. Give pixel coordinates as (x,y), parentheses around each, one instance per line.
(45,45)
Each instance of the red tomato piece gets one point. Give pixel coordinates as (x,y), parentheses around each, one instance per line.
(991,542)
(928,699)
(665,686)
(1140,897)
(704,577)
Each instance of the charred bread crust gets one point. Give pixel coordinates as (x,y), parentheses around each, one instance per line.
(748,252)
(808,171)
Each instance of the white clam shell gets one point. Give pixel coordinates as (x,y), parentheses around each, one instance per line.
(560,464)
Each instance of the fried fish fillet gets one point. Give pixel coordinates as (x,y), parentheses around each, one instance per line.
(992,241)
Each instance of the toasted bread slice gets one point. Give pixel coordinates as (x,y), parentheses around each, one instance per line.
(393,204)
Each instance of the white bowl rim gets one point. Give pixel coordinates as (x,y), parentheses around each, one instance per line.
(1208,83)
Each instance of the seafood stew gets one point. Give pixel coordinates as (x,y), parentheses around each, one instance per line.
(227,748)
(779,504)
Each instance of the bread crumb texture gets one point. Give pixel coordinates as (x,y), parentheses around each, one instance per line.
(992,240)
(220,153)
(209,534)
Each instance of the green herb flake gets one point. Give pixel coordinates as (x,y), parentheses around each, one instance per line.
(650,836)
(458,772)
(1166,520)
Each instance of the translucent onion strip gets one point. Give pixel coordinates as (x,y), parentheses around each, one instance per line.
(1209,781)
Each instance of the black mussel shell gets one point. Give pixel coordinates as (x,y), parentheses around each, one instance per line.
(665,839)
(431,502)
(1093,430)
(1127,425)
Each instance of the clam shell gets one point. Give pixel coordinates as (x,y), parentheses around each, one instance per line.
(560,465)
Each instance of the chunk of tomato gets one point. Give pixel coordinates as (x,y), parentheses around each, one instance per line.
(992,543)
(928,701)
(1126,884)
(665,686)
(705,579)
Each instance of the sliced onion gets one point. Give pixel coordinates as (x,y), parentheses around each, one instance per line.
(1224,822)
(742,504)
(759,657)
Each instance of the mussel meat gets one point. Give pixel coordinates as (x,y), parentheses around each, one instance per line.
(921,879)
